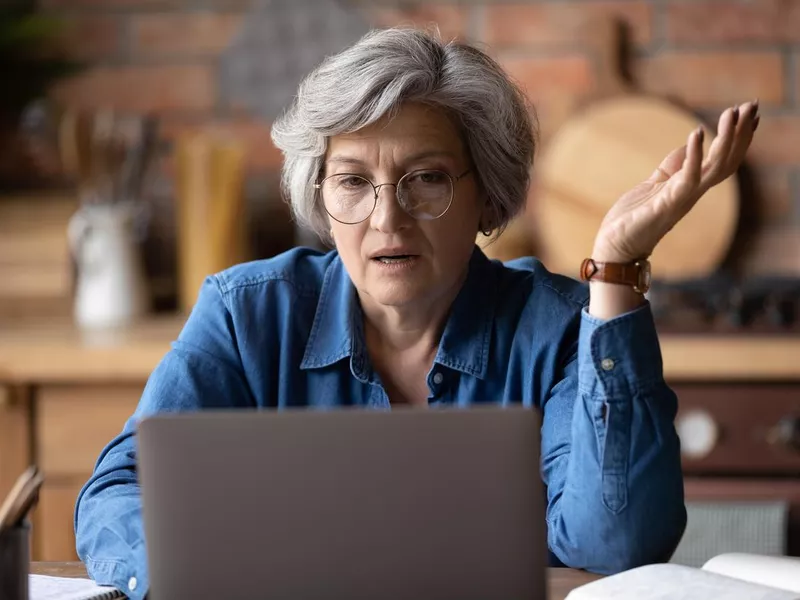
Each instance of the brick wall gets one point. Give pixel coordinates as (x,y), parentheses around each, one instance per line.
(163,56)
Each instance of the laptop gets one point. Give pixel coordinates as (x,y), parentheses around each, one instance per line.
(346,504)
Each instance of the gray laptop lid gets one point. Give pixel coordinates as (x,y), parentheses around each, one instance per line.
(344,504)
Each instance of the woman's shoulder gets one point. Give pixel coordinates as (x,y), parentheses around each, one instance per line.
(530,276)
(302,268)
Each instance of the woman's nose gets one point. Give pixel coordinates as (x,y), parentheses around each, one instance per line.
(388,216)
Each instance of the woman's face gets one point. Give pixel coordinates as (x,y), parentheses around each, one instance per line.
(435,253)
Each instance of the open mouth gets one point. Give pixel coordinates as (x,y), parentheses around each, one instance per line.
(395,259)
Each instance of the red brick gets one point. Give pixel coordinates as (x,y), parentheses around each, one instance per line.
(777,141)
(554,85)
(539,75)
(561,24)
(451,19)
(91,37)
(141,89)
(262,155)
(725,22)
(183,34)
(715,79)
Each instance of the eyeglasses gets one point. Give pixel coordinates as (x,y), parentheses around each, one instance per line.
(425,195)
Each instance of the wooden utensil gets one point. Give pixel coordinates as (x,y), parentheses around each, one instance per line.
(75,144)
(606,148)
(210,209)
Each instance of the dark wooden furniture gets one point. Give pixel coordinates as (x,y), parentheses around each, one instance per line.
(560,582)
(741,442)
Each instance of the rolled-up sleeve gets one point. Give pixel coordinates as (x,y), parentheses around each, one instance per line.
(611,456)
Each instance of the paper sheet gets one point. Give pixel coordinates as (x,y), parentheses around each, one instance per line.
(675,582)
(44,587)
(776,571)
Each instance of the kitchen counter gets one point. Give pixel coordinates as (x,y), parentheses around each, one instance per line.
(55,351)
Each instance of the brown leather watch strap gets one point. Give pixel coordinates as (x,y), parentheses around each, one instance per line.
(635,274)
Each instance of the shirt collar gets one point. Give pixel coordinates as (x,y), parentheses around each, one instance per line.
(337,330)
(467,334)
(332,334)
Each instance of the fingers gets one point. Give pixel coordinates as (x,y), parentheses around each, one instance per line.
(688,179)
(745,128)
(717,161)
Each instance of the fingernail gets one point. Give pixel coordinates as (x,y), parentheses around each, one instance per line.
(735,115)
(755,104)
(756,121)
(701,134)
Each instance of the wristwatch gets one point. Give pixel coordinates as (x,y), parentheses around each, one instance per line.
(635,274)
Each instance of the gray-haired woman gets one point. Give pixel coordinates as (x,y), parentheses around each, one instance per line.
(399,150)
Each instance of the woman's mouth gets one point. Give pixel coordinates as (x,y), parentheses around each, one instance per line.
(390,260)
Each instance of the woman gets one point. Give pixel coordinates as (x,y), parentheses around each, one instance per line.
(399,151)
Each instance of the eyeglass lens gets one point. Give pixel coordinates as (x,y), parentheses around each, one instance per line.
(424,195)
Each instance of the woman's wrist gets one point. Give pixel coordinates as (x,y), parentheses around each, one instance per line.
(609,300)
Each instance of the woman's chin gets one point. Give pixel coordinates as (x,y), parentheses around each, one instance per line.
(394,297)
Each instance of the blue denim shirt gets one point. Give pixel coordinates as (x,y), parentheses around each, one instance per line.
(287,331)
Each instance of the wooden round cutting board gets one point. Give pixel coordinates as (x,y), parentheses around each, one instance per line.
(604,150)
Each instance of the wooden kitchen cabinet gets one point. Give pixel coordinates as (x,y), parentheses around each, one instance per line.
(15,435)
(740,447)
(739,429)
(62,428)
(63,396)
(72,424)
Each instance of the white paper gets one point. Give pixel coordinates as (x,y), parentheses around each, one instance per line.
(675,582)
(776,571)
(44,587)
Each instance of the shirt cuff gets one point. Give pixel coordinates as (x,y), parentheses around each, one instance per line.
(619,357)
(130,577)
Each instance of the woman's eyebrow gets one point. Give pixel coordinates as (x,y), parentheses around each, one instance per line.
(430,154)
(348,160)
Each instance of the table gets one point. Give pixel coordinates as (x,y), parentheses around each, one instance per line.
(560,581)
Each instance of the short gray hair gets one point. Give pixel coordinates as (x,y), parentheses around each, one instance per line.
(372,78)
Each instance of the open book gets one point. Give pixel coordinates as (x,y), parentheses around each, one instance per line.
(732,576)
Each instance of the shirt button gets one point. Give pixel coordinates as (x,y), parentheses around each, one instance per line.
(132,583)
(607,364)
(438,378)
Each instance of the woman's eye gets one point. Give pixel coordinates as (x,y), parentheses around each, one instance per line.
(353,181)
(430,177)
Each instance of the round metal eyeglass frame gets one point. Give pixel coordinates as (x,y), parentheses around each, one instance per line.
(377,189)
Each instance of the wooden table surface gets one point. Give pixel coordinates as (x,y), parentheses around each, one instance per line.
(560,581)
(44,350)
